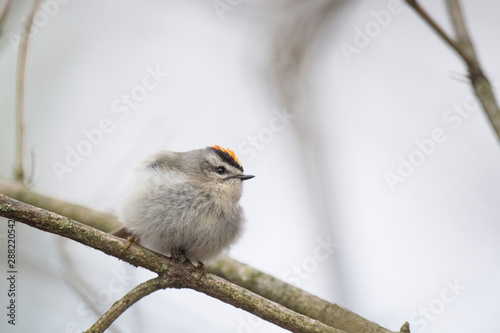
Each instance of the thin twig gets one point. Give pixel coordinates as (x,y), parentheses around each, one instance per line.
(181,274)
(462,35)
(464,47)
(142,290)
(21,68)
(427,18)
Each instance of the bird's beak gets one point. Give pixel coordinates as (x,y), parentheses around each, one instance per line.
(244,177)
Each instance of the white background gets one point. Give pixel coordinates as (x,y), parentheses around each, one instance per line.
(395,253)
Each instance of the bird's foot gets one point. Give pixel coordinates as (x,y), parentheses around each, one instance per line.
(178,255)
(132,240)
(201,267)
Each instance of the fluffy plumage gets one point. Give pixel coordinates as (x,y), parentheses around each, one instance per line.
(186,202)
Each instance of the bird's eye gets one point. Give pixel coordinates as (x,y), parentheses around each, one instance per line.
(221,170)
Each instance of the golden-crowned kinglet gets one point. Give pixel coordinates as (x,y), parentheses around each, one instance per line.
(186,203)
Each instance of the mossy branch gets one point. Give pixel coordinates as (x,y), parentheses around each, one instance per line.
(172,273)
(233,271)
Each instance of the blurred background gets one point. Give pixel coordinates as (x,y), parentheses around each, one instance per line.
(376,169)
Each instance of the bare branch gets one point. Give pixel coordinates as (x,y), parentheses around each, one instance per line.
(292,297)
(462,36)
(100,220)
(3,14)
(434,25)
(243,275)
(180,274)
(142,290)
(21,68)
(480,82)
(464,47)
(230,269)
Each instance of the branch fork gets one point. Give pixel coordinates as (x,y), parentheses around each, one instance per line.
(462,44)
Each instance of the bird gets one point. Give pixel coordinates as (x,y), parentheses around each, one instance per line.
(185,203)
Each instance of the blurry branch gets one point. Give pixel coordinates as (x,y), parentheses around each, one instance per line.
(463,46)
(3,14)
(299,29)
(434,25)
(171,273)
(240,274)
(298,37)
(21,67)
(292,297)
(102,221)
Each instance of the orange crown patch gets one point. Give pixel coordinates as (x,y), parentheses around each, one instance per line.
(229,152)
